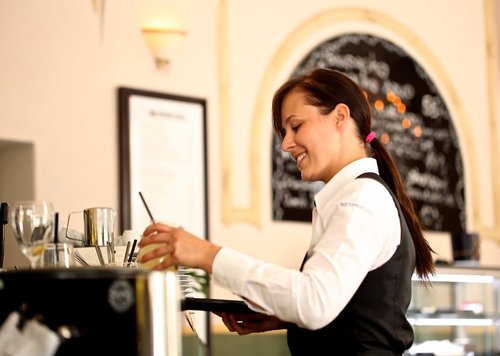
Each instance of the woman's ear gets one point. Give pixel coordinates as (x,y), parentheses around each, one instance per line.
(342,113)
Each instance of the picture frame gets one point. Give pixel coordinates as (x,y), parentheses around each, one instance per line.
(163,156)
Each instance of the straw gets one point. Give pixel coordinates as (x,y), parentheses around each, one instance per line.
(99,255)
(113,251)
(56,223)
(56,238)
(132,251)
(109,252)
(147,208)
(127,249)
(80,259)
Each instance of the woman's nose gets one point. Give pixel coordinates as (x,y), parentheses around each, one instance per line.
(287,143)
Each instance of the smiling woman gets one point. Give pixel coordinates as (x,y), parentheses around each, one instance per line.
(366,239)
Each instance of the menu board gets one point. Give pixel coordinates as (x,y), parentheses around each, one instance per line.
(163,154)
(409,117)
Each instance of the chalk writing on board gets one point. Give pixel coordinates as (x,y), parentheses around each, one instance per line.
(409,117)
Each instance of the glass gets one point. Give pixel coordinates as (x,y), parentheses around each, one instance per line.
(32,223)
(155,261)
(57,255)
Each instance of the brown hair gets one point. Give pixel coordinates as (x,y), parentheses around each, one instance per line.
(325,89)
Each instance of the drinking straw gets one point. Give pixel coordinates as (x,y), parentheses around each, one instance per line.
(113,251)
(80,259)
(147,208)
(56,238)
(109,252)
(56,223)
(127,249)
(132,251)
(99,255)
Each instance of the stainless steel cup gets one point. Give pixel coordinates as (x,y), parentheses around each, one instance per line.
(99,226)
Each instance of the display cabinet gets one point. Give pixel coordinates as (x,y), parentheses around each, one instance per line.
(457,313)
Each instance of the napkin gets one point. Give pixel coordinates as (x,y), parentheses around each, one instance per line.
(89,254)
(34,339)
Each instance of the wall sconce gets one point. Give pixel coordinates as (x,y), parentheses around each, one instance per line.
(160,41)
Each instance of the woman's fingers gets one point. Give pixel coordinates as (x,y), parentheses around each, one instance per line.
(165,262)
(181,247)
(248,323)
(227,321)
(239,326)
(234,324)
(154,231)
(155,244)
(161,249)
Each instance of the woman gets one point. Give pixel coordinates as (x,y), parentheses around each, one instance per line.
(353,289)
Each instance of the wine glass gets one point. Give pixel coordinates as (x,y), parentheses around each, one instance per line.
(32,223)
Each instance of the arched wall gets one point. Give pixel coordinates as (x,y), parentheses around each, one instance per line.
(303,38)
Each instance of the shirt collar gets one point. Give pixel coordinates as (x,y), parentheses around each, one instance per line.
(344,176)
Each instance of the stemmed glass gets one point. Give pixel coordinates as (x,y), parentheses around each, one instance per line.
(32,222)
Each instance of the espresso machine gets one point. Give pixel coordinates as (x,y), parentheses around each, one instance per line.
(99,311)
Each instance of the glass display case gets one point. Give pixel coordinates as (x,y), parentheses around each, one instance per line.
(457,313)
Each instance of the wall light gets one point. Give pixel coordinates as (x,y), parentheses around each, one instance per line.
(160,41)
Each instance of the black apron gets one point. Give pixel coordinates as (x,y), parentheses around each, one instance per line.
(374,321)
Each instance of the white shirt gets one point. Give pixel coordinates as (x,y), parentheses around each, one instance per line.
(356,229)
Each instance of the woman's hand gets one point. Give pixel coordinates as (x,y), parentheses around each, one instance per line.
(248,323)
(180,248)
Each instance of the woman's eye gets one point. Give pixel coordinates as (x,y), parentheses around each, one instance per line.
(295,127)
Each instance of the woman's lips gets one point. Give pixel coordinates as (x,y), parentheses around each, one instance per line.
(300,158)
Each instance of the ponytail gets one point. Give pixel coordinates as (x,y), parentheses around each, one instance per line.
(390,174)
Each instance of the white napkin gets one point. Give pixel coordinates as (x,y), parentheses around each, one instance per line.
(33,339)
(90,255)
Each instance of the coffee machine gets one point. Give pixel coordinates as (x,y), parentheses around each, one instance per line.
(99,311)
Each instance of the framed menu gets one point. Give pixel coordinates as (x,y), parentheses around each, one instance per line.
(163,155)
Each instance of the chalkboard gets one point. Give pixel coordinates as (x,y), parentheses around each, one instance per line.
(409,117)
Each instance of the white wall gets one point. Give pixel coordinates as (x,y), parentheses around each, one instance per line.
(61,62)
(59,70)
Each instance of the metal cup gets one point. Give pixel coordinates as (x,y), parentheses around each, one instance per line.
(99,226)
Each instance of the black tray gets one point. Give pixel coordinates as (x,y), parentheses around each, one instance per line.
(215,305)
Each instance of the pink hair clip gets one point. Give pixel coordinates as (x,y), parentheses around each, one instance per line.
(370,137)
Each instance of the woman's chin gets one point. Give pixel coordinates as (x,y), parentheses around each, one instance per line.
(310,176)
(305,176)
